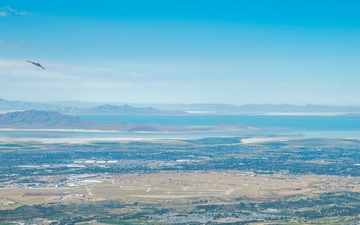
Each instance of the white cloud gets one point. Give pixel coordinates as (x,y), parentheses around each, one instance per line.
(18,45)
(57,76)
(88,69)
(135,74)
(23,13)
(7,11)
(18,68)
(15,69)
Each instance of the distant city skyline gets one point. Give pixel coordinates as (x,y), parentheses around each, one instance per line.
(231,52)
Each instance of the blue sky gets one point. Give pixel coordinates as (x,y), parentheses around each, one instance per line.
(238,52)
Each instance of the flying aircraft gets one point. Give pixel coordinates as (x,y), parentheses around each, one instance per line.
(35,63)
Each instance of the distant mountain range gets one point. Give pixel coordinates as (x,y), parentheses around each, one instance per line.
(259,108)
(33,119)
(78,107)
(121,110)
(62,107)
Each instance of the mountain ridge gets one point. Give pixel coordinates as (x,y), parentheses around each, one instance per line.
(97,109)
(78,107)
(33,119)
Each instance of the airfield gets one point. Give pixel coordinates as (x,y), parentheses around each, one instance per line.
(185,187)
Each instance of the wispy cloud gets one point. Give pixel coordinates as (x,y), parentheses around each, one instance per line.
(8,11)
(18,45)
(60,75)
(81,85)
(135,74)
(22,80)
(87,69)
(15,68)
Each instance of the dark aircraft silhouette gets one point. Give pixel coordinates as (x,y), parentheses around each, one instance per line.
(35,63)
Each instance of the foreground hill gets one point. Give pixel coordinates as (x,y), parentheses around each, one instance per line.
(33,119)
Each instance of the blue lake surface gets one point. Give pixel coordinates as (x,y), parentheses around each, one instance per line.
(291,123)
(307,126)
(310,126)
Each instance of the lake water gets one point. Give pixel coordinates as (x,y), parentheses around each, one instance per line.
(309,126)
(303,123)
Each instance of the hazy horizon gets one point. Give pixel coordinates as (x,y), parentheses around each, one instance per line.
(181,52)
(65,102)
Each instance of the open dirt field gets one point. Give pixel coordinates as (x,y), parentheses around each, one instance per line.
(163,186)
